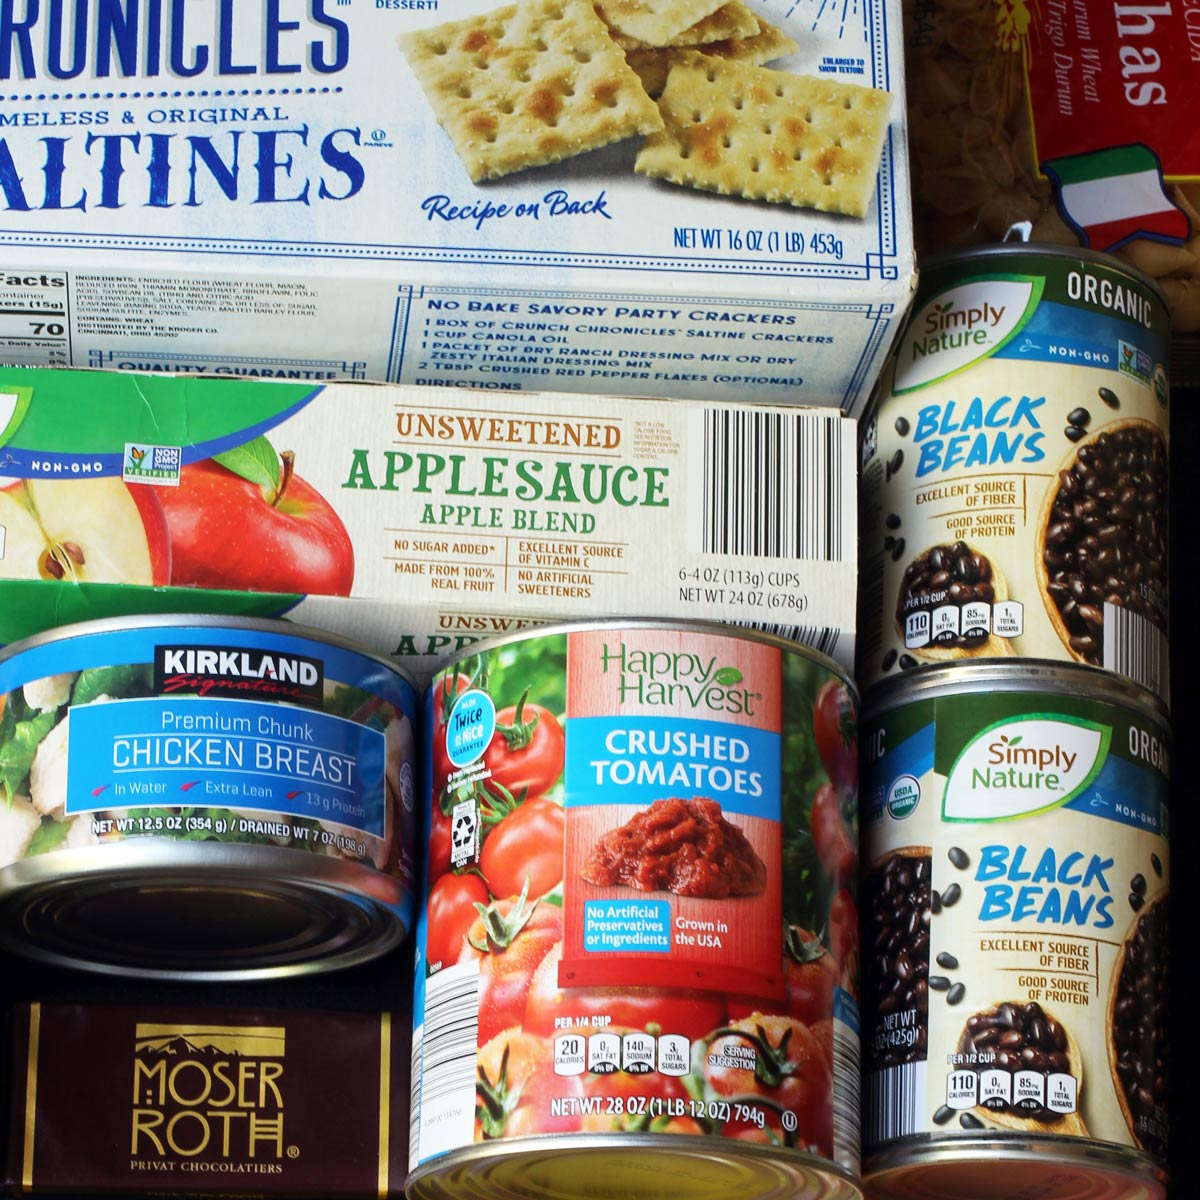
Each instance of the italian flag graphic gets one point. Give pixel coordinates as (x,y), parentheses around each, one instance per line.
(1111,196)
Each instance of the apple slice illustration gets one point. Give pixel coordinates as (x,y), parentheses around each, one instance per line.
(98,530)
(245,520)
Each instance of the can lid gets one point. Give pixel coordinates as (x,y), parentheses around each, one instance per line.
(667,625)
(194,624)
(972,257)
(153,909)
(981,675)
(998,1167)
(630,1166)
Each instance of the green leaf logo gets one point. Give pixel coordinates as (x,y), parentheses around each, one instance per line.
(727,676)
(14,404)
(255,461)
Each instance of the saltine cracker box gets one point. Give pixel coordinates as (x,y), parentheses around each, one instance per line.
(691,198)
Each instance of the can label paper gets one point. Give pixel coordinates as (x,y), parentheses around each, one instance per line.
(1015,894)
(206,733)
(1014,476)
(641,893)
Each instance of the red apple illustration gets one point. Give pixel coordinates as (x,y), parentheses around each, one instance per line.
(229,532)
(98,530)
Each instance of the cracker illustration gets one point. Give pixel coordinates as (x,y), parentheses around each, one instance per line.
(528,84)
(732,20)
(653,66)
(768,135)
(655,22)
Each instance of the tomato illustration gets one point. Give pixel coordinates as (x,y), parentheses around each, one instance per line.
(690,1014)
(440,841)
(445,691)
(525,755)
(525,850)
(651,1103)
(843,927)
(809,977)
(823,1032)
(835,729)
(831,839)
(510,939)
(450,913)
(515,1085)
(790,1072)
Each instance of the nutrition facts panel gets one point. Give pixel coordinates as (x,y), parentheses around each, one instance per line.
(34,318)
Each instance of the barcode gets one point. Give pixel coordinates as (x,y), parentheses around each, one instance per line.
(847,1098)
(870,609)
(414,1097)
(444,1077)
(1136,648)
(895,1103)
(770,484)
(823,638)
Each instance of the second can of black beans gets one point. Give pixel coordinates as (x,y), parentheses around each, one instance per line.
(1015,907)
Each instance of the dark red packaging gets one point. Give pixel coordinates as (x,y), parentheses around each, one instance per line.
(208,1101)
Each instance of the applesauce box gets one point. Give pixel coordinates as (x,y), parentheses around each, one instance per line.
(417,520)
(319,190)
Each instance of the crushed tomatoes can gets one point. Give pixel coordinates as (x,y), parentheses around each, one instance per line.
(1016,929)
(640,928)
(205,798)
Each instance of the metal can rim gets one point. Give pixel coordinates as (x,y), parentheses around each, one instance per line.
(710,628)
(274,626)
(150,858)
(1049,250)
(592,1144)
(918,1151)
(938,680)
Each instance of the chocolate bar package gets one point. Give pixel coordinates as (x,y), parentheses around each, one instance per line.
(211,1101)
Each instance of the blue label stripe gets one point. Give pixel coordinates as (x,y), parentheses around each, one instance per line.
(1127,794)
(229,754)
(1063,333)
(914,756)
(121,646)
(637,760)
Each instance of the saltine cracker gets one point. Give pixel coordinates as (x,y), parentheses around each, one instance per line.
(770,43)
(760,134)
(528,84)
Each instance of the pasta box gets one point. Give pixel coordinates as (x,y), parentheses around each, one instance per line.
(700,199)
(417,520)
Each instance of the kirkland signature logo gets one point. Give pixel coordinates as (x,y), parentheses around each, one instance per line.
(670,679)
(1025,765)
(232,671)
(961,326)
(208,1100)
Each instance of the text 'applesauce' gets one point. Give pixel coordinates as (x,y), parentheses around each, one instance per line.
(639,930)
(444,516)
(1014,470)
(1015,932)
(202,797)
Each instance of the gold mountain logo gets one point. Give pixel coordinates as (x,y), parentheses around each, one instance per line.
(210,1095)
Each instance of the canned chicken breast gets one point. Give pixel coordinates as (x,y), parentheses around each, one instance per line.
(203,797)
(640,929)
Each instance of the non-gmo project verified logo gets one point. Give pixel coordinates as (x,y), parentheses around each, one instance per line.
(1135,362)
(144,463)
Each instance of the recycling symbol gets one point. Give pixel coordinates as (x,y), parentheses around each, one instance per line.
(463,823)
